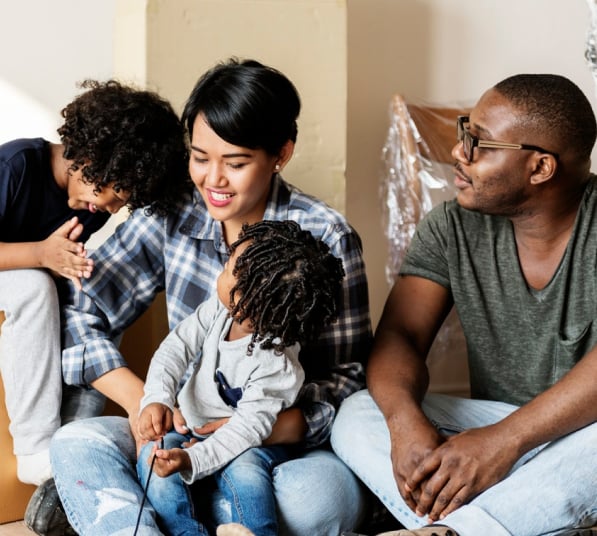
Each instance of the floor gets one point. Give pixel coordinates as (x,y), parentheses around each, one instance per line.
(15,529)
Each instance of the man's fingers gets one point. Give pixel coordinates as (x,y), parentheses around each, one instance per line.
(423,472)
(443,506)
(430,491)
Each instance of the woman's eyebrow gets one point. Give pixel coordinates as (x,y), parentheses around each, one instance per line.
(226,155)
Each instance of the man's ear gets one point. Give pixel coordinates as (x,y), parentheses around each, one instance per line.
(544,168)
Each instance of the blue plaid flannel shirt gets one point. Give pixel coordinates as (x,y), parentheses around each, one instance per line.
(183,255)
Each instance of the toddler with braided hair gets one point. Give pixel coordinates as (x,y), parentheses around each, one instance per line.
(278,290)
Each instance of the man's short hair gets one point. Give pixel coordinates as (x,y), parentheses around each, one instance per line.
(553,104)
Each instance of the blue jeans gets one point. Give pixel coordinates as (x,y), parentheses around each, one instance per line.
(94,469)
(246,483)
(550,490)
(169,496)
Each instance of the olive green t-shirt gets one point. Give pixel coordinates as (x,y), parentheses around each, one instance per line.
(520,341)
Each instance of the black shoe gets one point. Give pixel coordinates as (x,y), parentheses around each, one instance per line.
(45,515)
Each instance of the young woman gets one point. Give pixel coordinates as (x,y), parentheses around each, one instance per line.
(241,118)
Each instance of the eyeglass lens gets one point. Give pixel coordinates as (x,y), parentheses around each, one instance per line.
(466,139)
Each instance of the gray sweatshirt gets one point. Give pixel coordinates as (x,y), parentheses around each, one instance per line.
(269,383)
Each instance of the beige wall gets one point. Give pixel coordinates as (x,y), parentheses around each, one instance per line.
(305,39)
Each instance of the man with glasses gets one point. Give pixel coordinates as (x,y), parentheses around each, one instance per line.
(515,252)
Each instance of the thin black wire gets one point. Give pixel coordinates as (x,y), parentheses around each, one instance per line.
(145,489)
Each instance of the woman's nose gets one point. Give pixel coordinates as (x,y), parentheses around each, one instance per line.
(215,175)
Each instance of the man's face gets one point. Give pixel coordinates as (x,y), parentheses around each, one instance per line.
(495,181)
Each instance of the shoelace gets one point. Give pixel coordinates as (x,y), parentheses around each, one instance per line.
(145,489)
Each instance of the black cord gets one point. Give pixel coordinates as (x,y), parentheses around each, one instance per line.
(145,489)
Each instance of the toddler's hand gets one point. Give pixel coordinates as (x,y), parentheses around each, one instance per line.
(155,420)
(169,461)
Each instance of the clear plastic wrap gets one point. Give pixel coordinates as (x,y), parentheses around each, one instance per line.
(591,46)
(417,174)
(417,170)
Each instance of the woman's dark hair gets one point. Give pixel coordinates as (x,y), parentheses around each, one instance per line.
(247,104)
(118,134)
(288,284)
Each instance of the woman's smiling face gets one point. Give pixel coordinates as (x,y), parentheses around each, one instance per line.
(233,181)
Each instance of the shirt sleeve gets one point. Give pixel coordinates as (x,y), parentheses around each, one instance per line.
(335,365)
(128,273)
(5,189)
(426,254)
(172,358)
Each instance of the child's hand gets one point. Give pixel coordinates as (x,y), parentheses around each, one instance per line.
(155,420)
(169,461)
(180,424)
(65,257)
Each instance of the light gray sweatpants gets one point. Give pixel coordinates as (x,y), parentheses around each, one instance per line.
(30,362)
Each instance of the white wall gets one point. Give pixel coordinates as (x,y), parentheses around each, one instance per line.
(47,47)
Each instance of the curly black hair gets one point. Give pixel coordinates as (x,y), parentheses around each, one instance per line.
(133,138)
(288,284)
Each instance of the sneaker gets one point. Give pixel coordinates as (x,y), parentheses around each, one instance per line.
(233,529)
(431,530)
(44,514)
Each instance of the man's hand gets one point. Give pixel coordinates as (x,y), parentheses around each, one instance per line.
(408,453)
(458,470)
(63,255)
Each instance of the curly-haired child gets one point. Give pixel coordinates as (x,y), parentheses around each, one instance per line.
(278,290)
(118,146)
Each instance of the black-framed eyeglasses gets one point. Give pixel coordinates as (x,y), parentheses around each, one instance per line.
(469,142)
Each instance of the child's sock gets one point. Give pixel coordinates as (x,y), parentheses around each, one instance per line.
(34,468)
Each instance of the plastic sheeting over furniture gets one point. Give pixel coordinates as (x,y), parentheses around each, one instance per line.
(418,174)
